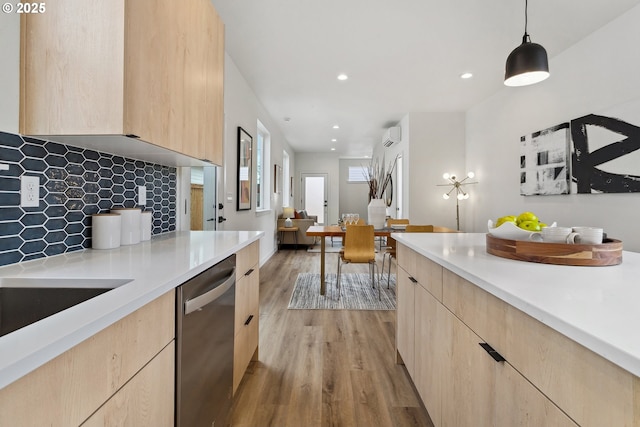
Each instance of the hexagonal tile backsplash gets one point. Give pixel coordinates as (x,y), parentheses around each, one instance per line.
(74,184)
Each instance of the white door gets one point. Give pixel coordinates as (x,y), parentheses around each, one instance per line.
(315,195)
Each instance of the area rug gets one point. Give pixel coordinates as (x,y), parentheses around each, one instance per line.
(357,293)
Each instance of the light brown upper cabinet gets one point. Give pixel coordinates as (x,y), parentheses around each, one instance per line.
(151,69)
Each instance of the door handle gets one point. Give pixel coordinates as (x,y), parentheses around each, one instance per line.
(200,301)
(211,219)
(249,319)
(496,356)
(413,280)
(221,219)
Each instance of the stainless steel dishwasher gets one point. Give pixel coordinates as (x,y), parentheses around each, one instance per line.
(205,307)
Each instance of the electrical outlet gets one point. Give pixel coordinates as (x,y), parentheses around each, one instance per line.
(29,191)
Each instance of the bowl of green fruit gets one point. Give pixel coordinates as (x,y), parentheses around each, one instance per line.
(516,227)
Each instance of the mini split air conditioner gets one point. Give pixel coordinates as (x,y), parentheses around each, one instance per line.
(391,136)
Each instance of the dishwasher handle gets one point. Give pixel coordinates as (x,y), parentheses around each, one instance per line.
(200,301)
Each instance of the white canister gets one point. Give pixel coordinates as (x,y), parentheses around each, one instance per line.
(105,231)
(130,230)
(145,225)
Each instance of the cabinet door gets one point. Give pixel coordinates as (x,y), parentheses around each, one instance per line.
(146,400)
(468,380)
(519,404)
(405,335)
(433,330)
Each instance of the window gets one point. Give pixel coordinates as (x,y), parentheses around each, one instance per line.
(286,188)
(357,174)
(263,180)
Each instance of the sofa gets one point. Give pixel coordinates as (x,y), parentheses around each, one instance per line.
(303,224)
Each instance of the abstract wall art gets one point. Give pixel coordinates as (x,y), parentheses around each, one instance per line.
(544,161)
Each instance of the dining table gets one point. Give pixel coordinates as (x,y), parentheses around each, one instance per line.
(323,231)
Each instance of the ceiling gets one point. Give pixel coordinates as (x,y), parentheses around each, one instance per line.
(401,56)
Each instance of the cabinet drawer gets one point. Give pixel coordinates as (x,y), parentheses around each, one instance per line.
(146,400)
(479,310)
(244,349)
(247,299)
(591,390)
(247,258)
(69,388)
(426,272)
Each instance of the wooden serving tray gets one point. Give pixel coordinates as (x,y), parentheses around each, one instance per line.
(607,253)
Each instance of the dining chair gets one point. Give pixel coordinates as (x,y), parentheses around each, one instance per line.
(359,248)
(390,248)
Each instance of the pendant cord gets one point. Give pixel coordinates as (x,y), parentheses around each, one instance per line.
(525,16)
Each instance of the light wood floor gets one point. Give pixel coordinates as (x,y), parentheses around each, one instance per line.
(322,367)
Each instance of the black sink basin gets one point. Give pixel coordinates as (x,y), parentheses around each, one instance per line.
(25,301)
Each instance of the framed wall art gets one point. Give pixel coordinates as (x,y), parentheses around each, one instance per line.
(544,161)
(244,170)
(277,179)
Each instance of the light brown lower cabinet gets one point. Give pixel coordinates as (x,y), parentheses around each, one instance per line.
(247,316)
(144,400)
(546,379)
(122,362)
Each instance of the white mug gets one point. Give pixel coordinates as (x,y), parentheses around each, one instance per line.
(551,235)
(586,235)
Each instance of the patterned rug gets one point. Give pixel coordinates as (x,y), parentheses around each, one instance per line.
(357,293)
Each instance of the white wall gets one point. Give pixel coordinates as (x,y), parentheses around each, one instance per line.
(354,196)
(597,74)
(242,108)
(320,163)
(9,71)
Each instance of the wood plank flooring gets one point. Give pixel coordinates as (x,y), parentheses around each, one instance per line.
(322,367)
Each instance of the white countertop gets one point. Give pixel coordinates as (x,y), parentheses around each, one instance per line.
(154,267)
(598,307)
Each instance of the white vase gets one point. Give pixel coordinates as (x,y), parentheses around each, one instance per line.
(377,212)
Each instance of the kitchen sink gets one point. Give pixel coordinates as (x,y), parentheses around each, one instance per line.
(24,301)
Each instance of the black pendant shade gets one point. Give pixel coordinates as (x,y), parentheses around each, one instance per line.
(527,64)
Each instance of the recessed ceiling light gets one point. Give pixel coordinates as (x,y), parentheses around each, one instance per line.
(336,127)
(334,140)
(466,75)
(333,149)
(342,76)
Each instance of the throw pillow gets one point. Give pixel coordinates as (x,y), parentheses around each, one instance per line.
(303,214)
(296,215)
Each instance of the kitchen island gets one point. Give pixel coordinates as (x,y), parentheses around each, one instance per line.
(152,270)
(568,334)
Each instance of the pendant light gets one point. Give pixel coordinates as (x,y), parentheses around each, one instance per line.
(528,63)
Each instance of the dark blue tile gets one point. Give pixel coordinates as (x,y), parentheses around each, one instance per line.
(73,240)
(10,228)
(10,243)
(74,181)
(54,186)
(91,199)
(15,170)
(74,205)
(74,217)
(32,150)
(55,237)
(55,249)
(33,256)
(105,162)
(10,140)
(105,193)
(55,224)
(91,166)
(130,195)
(56,173)
(33,233)
(91,187)
(91,155)
(36,218)
(55,211)
(56,161)
(10,213)
(11,155)
(33,247)
(129,185)
(9,183)
(117,189)
(74,169)
(74,192)
(117,160)
(118,179)
(105,173)
(74,228)
(34,165)
(129,176)
(129,166)
(9,199)
(34,141)
(55,148)
(75,149)
(55,199)
(10,257)
(91,177)
(118,170)
(90,209)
